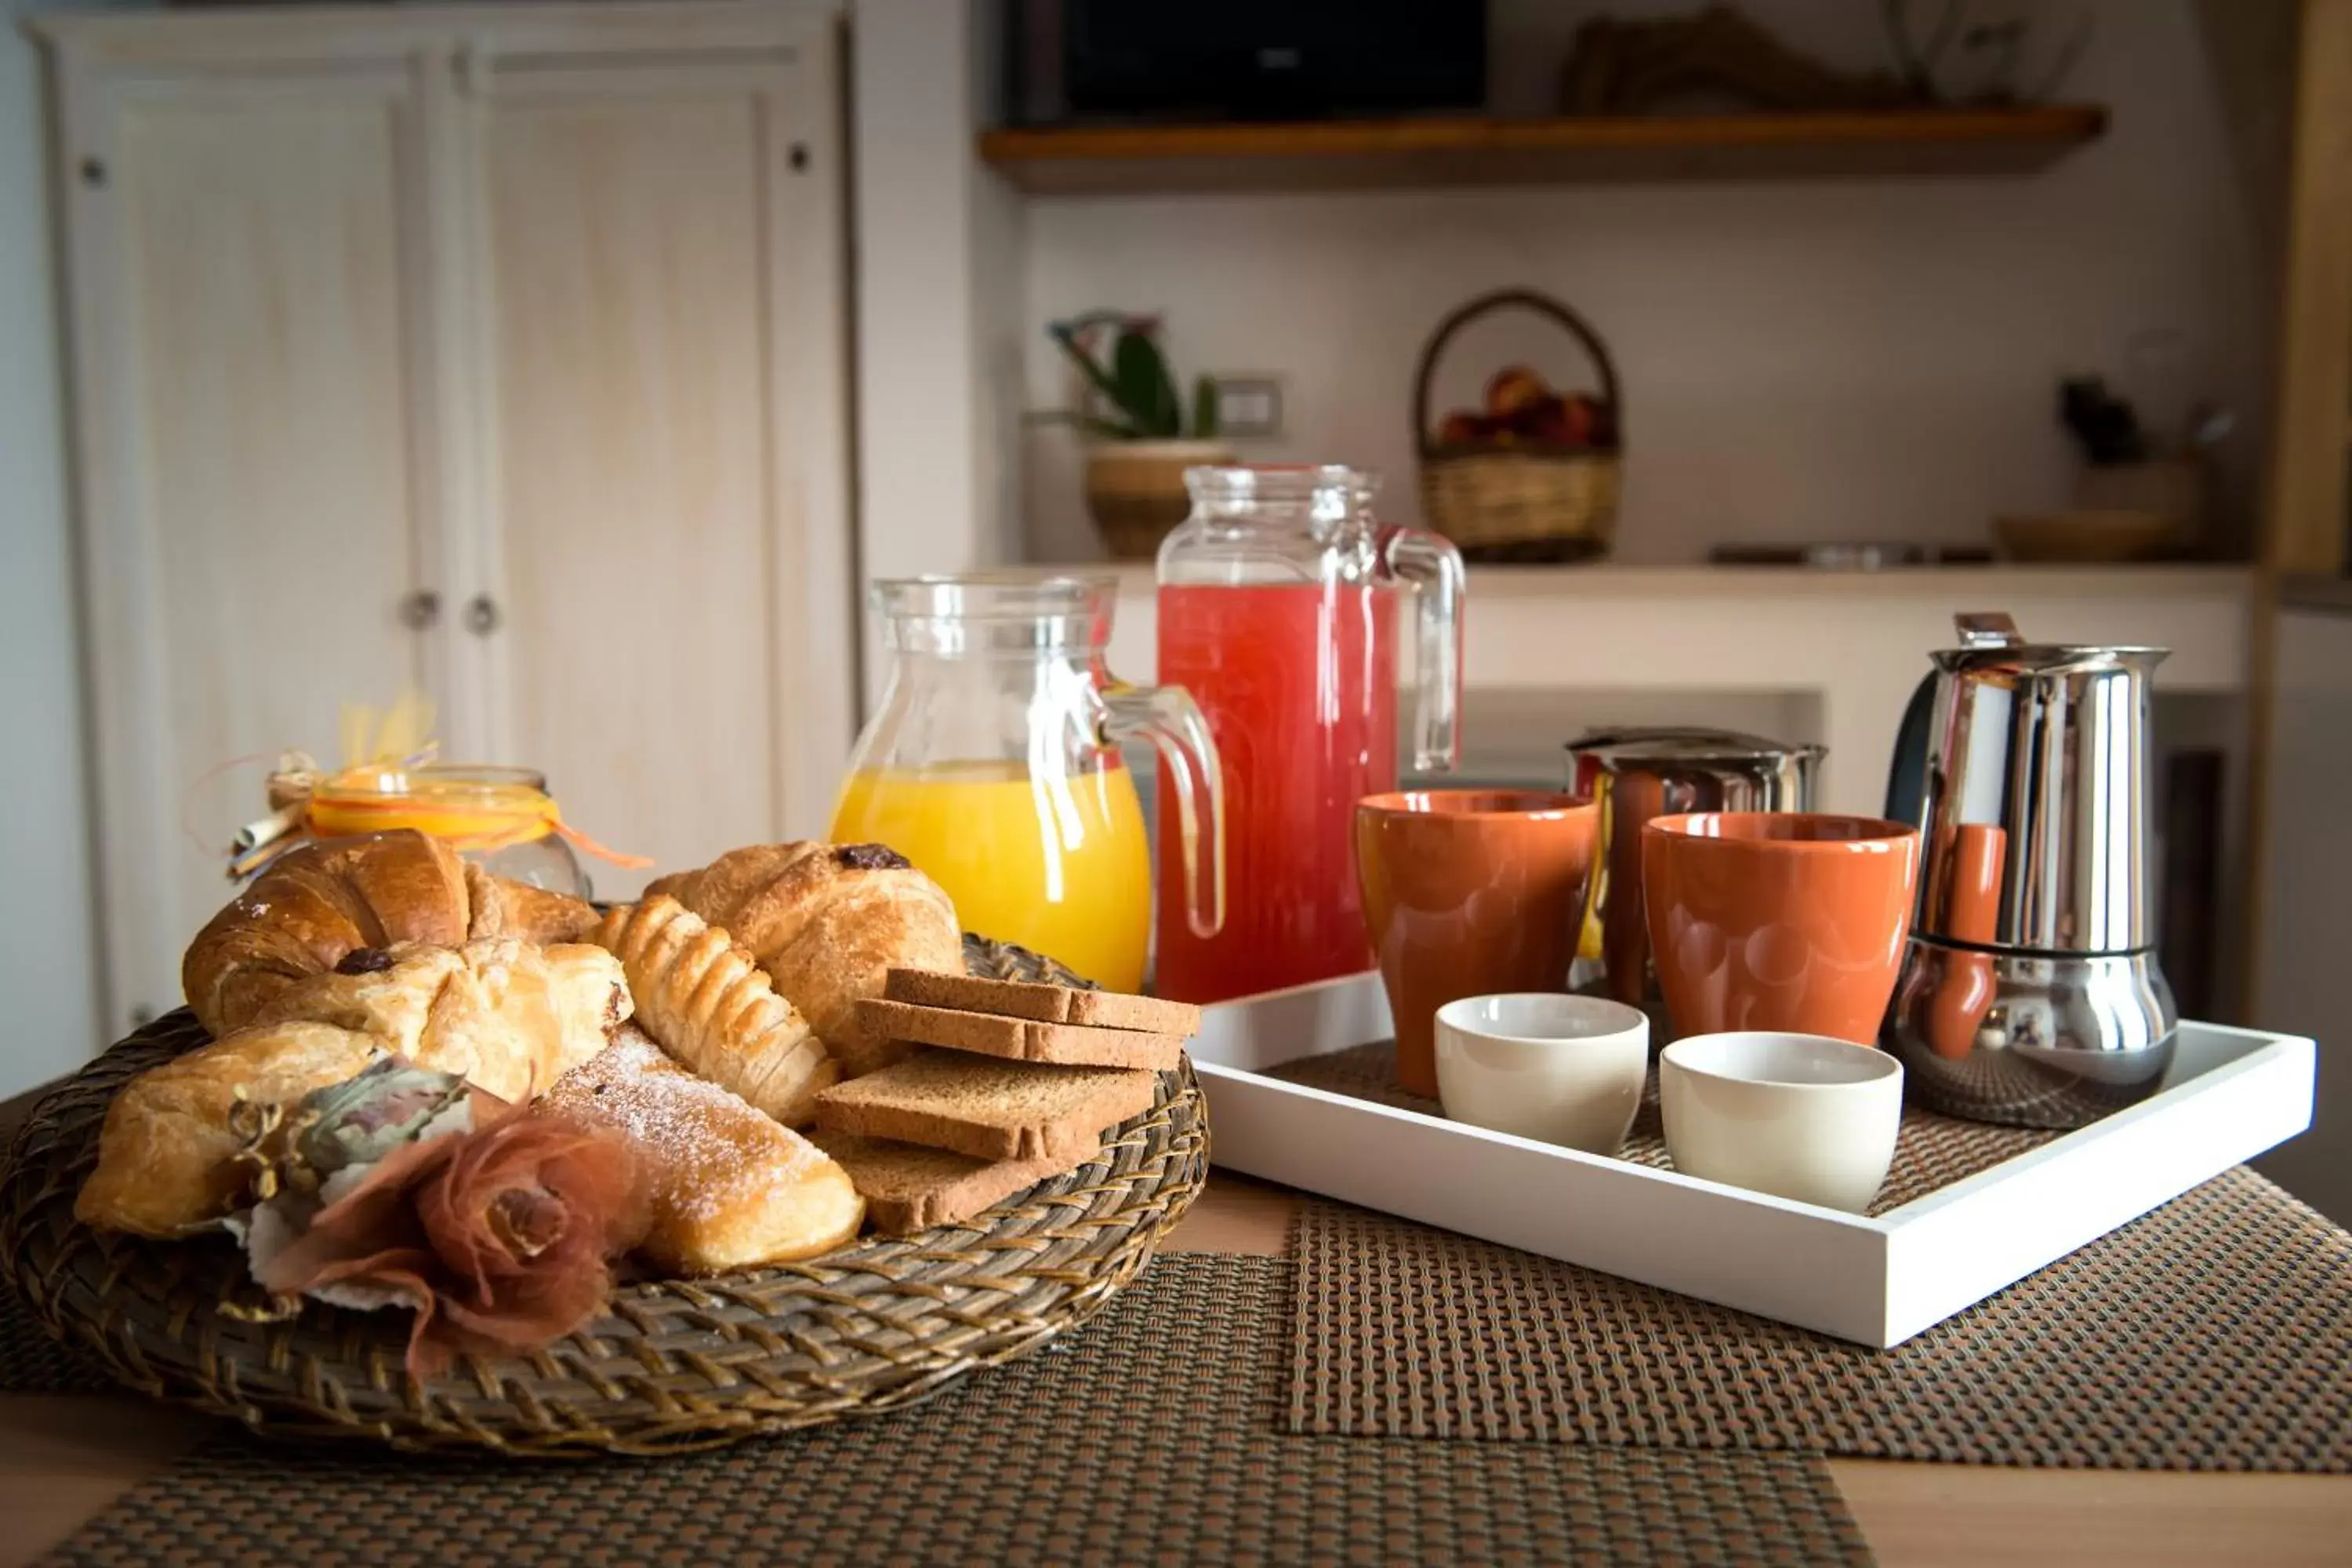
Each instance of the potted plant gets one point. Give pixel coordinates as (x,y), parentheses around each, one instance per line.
(1141,446)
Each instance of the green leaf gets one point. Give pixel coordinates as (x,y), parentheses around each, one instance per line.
(1204,408)
(1147,393)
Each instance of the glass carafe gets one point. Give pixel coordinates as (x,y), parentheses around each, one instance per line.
(994,765)
(1279,614)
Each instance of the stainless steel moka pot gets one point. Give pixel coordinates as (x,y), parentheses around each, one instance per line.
(2030,993)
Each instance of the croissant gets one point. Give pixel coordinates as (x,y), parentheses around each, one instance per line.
(508,1016)
(318,903)
(827,922)
(167,1153)
(704,1002)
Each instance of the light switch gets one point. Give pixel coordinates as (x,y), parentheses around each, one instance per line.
(1249,407)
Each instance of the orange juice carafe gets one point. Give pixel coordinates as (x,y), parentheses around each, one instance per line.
(994,765)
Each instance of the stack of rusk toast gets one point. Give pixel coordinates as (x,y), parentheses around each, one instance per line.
(1013,1082)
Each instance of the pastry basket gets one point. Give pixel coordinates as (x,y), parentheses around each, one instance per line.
(675,1365)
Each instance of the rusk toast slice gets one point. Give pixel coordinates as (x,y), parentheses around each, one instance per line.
(908,1187)
(1018,1039)
(988,1110)
(1042,1003)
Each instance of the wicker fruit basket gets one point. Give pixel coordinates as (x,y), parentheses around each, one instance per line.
(675,1365)
(1503,488)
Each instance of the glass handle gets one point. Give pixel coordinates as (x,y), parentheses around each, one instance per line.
(1168,717)
(1433,567)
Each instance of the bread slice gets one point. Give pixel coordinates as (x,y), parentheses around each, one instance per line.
(908,1187)
(988,1110)
(1018,1039)
(1044,1004)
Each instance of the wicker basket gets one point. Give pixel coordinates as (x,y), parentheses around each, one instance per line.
(675,1365)
(1136,494)
(1533,502)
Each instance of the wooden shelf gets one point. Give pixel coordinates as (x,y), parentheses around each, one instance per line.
(1398,153)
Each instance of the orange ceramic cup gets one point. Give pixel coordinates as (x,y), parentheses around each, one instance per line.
(1469,893)
(1779,921)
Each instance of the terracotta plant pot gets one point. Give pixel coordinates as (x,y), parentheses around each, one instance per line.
(1135,490)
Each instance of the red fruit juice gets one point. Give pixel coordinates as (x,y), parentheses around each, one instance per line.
(1299,684)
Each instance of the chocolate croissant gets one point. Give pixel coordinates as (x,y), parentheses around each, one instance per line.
(315,904)
(827,922)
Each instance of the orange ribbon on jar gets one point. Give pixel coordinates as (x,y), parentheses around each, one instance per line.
(391,781)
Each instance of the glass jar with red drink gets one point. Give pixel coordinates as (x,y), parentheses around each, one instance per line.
(1280,610)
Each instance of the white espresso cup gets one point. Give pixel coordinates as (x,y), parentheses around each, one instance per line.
(1557,1068)
(1798,1116)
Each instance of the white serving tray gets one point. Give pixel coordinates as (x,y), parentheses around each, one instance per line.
(2230,1094)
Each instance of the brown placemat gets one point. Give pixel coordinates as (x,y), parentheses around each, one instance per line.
(1930,1151)
(2214,1334)
(31,1361)
(1151,1435)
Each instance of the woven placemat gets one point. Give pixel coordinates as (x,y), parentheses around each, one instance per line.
(1930,1151)
(2214,1334)
(1150,1436)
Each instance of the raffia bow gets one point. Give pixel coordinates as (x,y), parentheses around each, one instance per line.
(396,743)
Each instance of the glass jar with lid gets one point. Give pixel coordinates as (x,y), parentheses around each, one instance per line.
(502,818)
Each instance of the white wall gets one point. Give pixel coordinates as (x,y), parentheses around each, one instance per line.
(47,932)
(937,253)
(1869,359)
(2302,984)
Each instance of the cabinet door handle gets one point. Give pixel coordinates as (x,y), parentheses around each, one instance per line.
(482,615)
(421,611)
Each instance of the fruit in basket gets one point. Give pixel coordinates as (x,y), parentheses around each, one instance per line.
(1460,429)
(1514,392)
(1537,416)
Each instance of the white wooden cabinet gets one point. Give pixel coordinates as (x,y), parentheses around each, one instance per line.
(497,351)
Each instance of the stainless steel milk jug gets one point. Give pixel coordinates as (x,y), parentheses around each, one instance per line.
(2029,991)
(1635,775)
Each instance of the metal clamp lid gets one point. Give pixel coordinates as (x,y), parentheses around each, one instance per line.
(1987,630)
(1682,743)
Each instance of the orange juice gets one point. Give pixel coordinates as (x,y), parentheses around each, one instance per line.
(1059,865)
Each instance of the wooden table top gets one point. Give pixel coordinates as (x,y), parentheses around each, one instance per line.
(63,1458)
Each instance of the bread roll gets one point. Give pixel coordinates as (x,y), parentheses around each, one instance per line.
(827,922)
(164,1153)
(317,903)
(703,1000)
(729,1187)
(509,1017)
